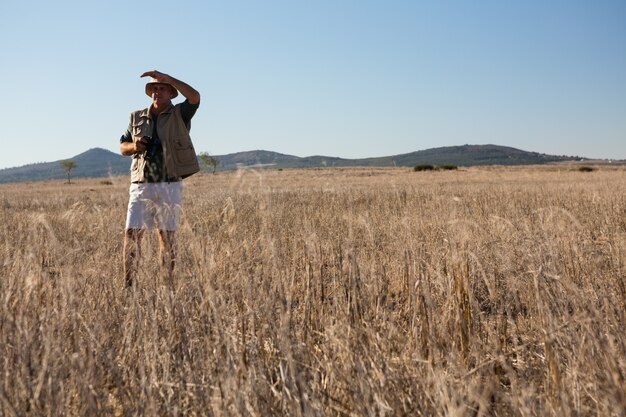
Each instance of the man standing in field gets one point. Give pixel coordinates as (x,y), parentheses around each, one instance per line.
(158,140)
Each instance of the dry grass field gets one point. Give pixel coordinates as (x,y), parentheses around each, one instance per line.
(329,292)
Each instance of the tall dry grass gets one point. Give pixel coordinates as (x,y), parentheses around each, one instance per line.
(357,292)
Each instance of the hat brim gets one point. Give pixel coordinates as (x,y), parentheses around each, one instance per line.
(149,89)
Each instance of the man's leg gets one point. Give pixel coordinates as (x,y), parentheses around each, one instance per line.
(167,219)
(131,254)
(167,243)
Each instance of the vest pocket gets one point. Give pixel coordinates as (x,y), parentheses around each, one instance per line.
(184,153)
(137,167)
(141,128)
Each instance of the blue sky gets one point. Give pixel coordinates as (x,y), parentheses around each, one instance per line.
(339,78)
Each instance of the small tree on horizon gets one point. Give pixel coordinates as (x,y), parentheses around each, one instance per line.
(207,161)
(68,165)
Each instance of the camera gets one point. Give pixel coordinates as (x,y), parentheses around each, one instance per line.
(151,148)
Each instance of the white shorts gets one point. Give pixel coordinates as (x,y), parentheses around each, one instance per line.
(154,205)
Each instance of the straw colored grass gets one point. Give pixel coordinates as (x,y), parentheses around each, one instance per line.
(330,292)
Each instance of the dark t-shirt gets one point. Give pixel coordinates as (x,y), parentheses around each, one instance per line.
(155,170)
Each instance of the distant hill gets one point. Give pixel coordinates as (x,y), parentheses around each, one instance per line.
(97,162)
(470,155)
(465,155)
(94,163)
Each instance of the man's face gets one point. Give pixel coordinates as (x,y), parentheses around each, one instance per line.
(161,94)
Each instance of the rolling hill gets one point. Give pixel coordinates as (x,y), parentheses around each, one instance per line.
(94,163)
(465,155)
(97,162)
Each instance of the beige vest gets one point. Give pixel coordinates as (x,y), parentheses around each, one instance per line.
(178,151)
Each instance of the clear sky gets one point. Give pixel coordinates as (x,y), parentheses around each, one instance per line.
(341,78)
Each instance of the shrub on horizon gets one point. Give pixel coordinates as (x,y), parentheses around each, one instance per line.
(429,167)
(447,167)
(424,167)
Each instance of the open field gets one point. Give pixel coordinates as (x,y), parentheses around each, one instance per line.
(322,292)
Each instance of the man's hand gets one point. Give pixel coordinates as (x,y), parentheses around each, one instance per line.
(141,145)
(185,89)
(158,76)
(131,148)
